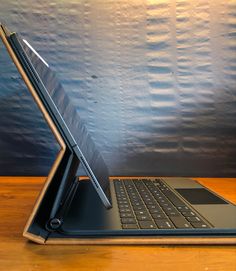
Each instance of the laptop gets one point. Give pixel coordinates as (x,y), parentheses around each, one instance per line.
(103,209)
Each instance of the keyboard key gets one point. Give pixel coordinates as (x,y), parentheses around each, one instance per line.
(180,222)
(164,224)
(139,208)
(183,208)
(138,204)
(122,198)
(147,225)
(188,213)
(128,220)
(199,225)
(125,210)
(173,198)
(153,207)
(141,212)
(150,202)
(129,226)
(193,219)
(173,213)
(165,204)
(126,215)
(160,216)
(143,217)
(169,209)
(134,200)
(122,206)
(122,202)
(155,211)
(159,198)
(157,183)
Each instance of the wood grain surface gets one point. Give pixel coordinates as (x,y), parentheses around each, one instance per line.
(17,197)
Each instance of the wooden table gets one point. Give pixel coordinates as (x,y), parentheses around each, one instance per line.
(17,196)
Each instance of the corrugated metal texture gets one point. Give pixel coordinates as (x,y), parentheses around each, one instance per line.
(26,144)
(154,81)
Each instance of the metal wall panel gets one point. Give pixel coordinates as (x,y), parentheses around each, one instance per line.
(154,81)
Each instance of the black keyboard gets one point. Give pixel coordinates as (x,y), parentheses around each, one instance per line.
(151,204)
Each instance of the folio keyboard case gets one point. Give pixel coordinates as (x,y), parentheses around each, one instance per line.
(61,184)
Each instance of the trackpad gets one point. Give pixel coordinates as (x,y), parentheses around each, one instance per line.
(199,196)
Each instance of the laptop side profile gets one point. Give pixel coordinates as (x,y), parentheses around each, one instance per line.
(105,210)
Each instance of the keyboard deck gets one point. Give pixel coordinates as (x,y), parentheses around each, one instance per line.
(151,204)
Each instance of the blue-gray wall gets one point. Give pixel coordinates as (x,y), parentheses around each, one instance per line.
(155,82)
